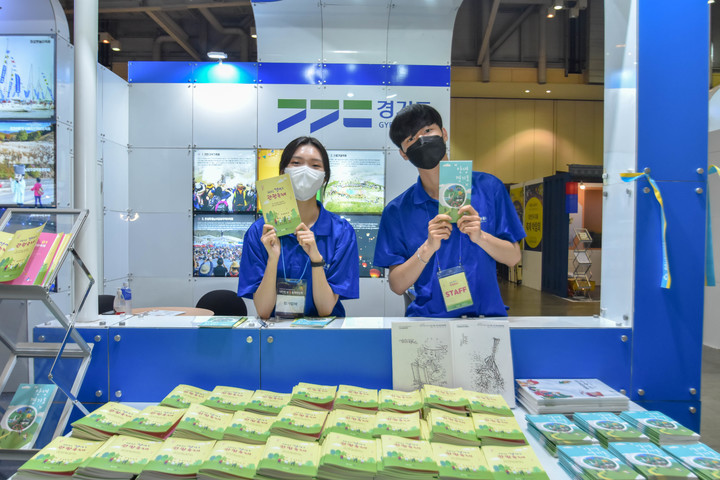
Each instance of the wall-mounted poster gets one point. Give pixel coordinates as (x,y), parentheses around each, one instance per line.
(224,181)
(27,164)
(534,216)
(357,181)
(217,244)
(27,77)
(268,162)
(366,230)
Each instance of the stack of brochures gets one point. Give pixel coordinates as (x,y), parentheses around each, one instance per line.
(228,399)
(593,462)
(299,423)
(222,322)
(312,322)
(249,427)
(404,458)
(183,395)
(202,423)
(120,458)
(358,399)
(266,402)
(451,399)
(231,461)
(661,429)
(343,457)
(446,427)
(177,458)
(545,395)
(608,427)
(153,423)
(488,403)
(514,462)
(406,425)
(456,462)
(351,423)
(59,459)
(103,422)
(289,459)
(554,430)
(497,430)
(702,460)
(399,401)
(312,396)
(651,461)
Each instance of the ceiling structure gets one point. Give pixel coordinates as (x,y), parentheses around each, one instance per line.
(487,32)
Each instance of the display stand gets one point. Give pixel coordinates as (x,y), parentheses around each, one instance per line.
(581,285)
(61,221)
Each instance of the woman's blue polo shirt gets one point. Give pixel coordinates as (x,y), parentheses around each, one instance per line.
(403,228)
(336,241)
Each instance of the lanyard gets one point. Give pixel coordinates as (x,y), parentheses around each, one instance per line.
(437,256)
(282,257)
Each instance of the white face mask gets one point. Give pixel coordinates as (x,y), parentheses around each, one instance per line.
(306,181)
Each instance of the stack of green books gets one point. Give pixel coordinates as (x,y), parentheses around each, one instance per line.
(228,399)
(496,430)
(59,459)
(453,400)
(24,417)
(399,401)
(104,422)
(183,395)
(456,462)
(661,429)
(405,458)
(153,423)
(488,403)
(231,461)
(299,423)
(651,461)
(288,459)
(249,427)
(343,457)
(359,399)
(202,423)
(312,396)
(351,423)
(177,458)
(554,430)
(265,402)
(406,425)
(593,462)
(120,458)
(608,427)
(514,462)
(702,460)
(447,427)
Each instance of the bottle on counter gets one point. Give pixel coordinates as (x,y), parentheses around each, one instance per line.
(127,297)
(119,305)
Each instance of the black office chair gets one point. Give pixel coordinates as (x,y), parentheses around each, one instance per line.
(105,304)
(223,302)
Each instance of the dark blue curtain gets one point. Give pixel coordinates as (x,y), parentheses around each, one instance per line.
(556,228)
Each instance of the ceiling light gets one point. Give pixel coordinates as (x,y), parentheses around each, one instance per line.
(574,12)
(217,56)
(550,12)
(548,91)
(253,32)
(558,4)
(105,37)
(582,186)
(115,46)
(527,91)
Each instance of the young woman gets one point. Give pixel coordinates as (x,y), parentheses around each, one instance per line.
(308,272)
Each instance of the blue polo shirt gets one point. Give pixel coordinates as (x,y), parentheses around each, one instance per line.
(403,228)
(336,241)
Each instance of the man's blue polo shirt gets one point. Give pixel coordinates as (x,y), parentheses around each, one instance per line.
(337,243)
(403,228)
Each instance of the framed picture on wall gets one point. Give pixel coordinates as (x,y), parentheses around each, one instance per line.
(27,164)
(218,242)
(357,181)
(366,230)
(27,77)
(224,180)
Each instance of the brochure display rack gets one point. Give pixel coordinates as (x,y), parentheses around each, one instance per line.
(55,221)
(581,263)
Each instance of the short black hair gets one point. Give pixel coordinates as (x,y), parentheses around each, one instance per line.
(289,151)
(411,119)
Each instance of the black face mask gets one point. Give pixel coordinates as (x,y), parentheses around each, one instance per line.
(426,152)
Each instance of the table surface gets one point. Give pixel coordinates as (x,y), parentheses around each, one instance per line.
(186,311)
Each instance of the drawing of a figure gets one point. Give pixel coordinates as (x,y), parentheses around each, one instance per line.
(427,367)
(487,374)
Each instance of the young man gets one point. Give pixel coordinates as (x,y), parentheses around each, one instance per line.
(422,248)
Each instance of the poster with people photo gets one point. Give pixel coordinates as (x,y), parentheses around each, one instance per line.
(27,77)
(224,181)
(357,182)
(366,230)
(217,244)
(27,164)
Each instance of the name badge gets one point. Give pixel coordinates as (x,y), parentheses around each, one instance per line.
(454,286)
(290,299)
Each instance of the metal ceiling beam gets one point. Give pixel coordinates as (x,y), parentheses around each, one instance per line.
(175,31)
(484,48)
(122,6)
(511,29)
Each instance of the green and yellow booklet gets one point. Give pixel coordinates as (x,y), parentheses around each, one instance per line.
(19,248)
(592,462)
(651,461)
(279,207)
(459,462)
(202,423)
(104,422)
(399,401)
(24,417)
(299,423)
(178,458)
(455,179)
(496,430)
(267,402)
(249,427)
(488,403)
(405,457)
(451,399)
(119,457)
(351,423)
(222,322)
(343,457)
(61,457)
(358,399)
(447,427)
(406,425)
(312,396)
(230,460)
(285,457)
(228,399)
(518,463)
(154,422)
(183,395)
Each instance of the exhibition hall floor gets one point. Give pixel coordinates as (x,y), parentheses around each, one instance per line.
(524,301)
